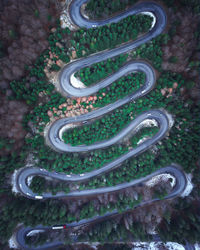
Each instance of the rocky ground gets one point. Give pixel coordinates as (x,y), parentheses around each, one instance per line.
(69,109)
(65,19)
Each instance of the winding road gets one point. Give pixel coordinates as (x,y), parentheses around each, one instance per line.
(56,129)
(173,169)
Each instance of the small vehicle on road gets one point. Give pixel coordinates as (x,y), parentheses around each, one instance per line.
(39,197)
(57,227)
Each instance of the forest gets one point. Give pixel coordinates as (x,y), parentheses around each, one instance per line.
(180,146)
(103,9)
(97,71)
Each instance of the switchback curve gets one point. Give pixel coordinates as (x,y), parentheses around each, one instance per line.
(68,89)
(173,169)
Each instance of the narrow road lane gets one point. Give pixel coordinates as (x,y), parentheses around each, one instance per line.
(173,169)
(54,137)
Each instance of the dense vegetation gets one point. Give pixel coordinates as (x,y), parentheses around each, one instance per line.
(103,8)
(99,130)
(8,164)
(178,138)
(6,143)
(178,147)
(185,217)
(152,51)
(119,89)
(40,185)
(97,71)
(2,49)
(109,36)
(31,213)
(184,220)
(37,239)
(109,231)
(52,160)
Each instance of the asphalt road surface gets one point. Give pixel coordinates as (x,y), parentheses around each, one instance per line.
(54,137)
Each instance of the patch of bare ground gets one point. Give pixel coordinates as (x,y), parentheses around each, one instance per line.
(65,19)
(70,108)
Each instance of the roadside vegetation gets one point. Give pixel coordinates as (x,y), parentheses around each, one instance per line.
(180,146)
(152,51)
(102,9)
(37,239)
(102,129)
(101,70)
(93,40)
(183,221)
(109,231)
(171,101)
(40,185)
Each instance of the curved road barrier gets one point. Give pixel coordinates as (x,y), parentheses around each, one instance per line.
(56,129)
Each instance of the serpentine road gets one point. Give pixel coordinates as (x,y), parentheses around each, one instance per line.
(56,129)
